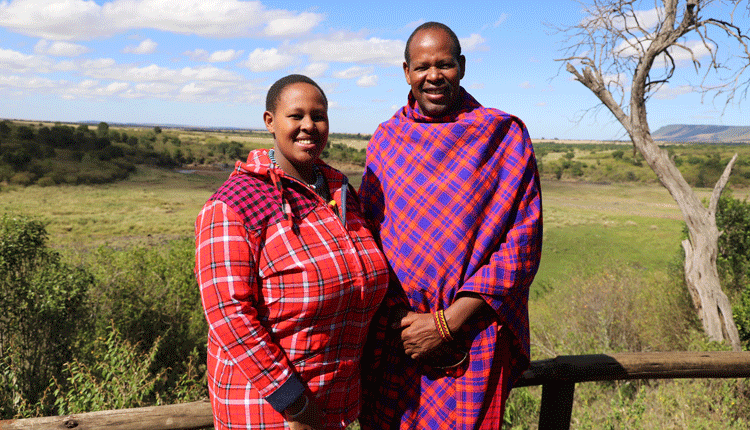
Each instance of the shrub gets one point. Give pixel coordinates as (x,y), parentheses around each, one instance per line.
(148,293)
(733,260)
(43,307)
(117,378)
(604,313)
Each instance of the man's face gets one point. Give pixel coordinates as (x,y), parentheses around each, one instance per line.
(433,72)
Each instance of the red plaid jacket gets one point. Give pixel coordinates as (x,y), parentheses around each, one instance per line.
(288,292)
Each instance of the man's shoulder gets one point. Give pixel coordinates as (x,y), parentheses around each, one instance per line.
(490,114)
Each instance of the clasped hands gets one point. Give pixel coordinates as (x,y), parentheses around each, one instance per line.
(419,335)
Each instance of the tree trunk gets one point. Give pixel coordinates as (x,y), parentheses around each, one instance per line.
(701,248)
(702,280)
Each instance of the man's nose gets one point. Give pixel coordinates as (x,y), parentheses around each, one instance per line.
(433,74)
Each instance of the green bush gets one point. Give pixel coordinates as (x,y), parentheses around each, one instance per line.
(148,293)
(733,260)
(117,378)
(43,307)
(603,313)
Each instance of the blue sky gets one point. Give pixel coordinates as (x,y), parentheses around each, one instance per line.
(209,63)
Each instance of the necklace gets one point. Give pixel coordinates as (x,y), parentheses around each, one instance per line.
(319,184)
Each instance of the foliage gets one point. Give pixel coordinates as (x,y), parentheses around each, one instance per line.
(344,153)
(733,220)
(117,378)
(147,294)
(42,309)
(733,260)
(71,155)
(124,330)
(702,166)
(604,313)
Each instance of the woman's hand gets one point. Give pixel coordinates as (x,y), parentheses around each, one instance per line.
(309,418)
(419,335)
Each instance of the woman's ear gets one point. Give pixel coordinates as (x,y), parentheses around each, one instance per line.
(268,120)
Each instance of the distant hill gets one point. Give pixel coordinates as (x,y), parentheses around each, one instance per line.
(703,133)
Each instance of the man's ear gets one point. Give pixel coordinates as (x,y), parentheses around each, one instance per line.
(462,64)
(268,120)
(406,73)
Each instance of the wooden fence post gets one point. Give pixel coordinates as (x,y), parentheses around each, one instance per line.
(557,405)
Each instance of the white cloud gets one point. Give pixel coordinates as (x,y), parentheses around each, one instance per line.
(99,63)
(314,70)
(224,56)
(215,57)
(85,19)
(30,83)
(66,66)
(644,19)
(526,84)
(60,49)
(476,86)
(353,72)
(193,89)
(156,88)
(347,48)
(412,25)
(147,46)
(22,63)
(501,20)
(113,88)
(265,60)
(367,81)
(682,54)
(665,92)
(471,43)
(292,25)
(154,73)
(197,54)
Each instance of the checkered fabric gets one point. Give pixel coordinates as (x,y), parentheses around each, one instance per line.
(288,293)
(458,204)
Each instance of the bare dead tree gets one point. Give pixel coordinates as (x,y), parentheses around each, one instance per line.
(617,41)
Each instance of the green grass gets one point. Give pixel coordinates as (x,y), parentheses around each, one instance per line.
(153,205)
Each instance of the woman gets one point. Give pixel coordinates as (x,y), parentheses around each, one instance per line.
(289,276)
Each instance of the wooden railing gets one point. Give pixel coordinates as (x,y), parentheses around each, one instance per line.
(557,376)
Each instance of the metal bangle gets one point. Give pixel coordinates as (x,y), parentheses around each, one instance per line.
(304,407)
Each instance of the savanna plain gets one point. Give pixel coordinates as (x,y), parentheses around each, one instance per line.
(609,281)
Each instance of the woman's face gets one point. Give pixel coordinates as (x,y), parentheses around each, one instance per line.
(299,124)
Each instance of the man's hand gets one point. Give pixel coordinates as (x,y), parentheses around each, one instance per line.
(419,335)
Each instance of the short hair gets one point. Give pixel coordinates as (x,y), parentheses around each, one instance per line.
(456,51)
(276,89)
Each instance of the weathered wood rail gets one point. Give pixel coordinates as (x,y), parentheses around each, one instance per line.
(557,376)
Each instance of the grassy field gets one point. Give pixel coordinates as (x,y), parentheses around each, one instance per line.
(587,226)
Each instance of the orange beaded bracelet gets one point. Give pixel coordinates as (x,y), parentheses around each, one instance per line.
(442,325)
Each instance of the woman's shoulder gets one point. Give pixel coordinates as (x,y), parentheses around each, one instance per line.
(253,198)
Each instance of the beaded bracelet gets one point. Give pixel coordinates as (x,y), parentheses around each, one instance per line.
(442,325)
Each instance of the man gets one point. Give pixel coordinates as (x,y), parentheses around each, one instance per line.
(453,189)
